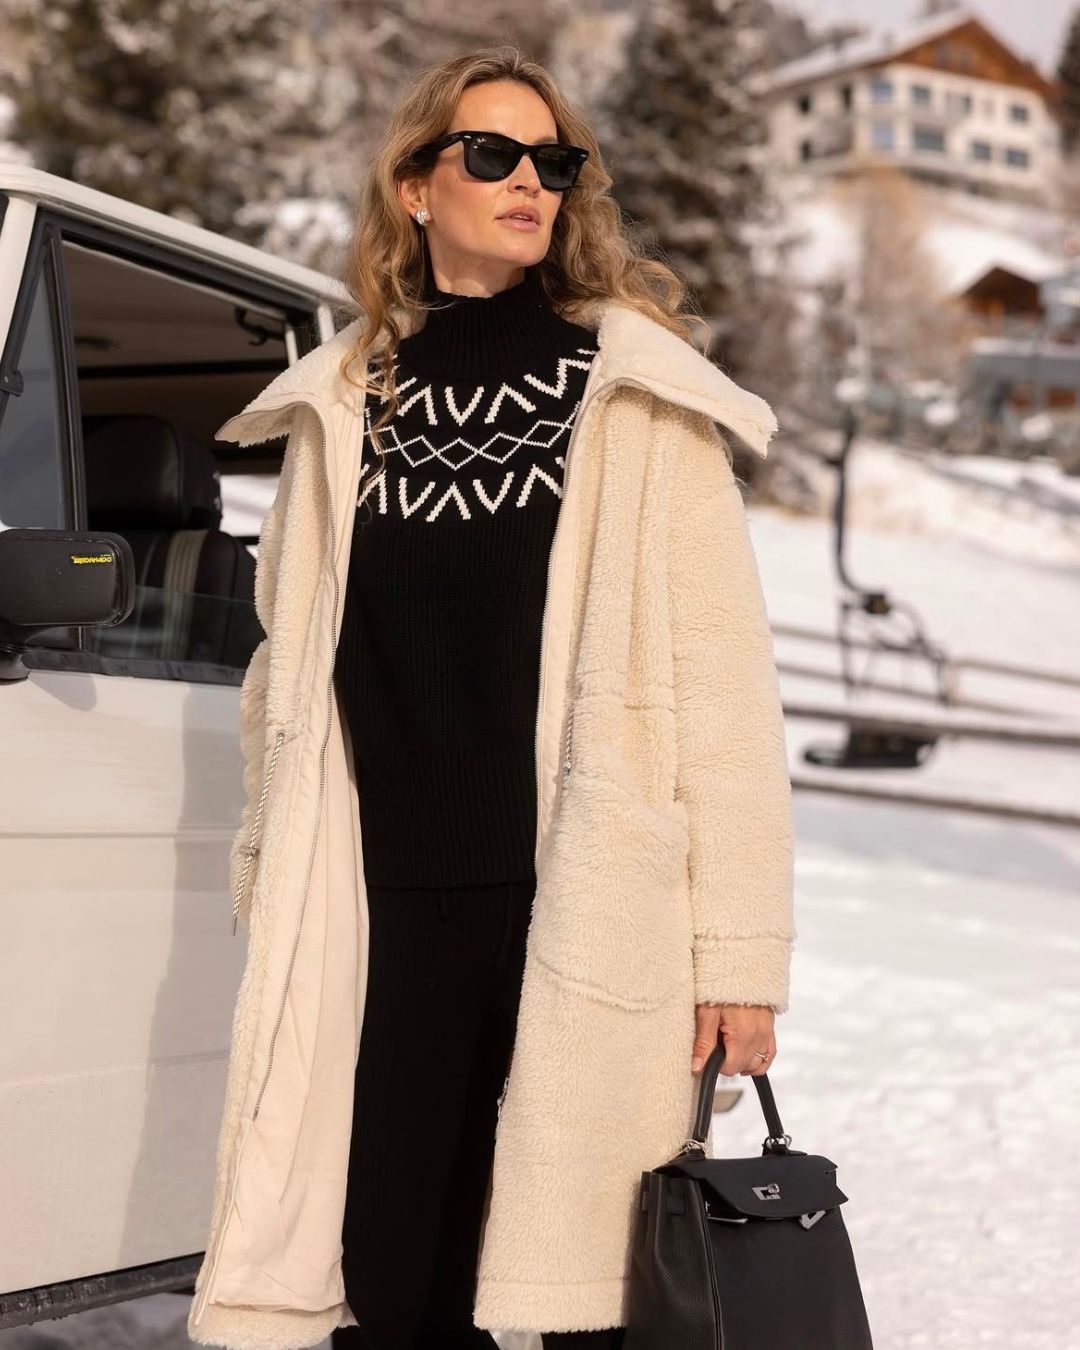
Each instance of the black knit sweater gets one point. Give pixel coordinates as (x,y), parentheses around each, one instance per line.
(437,669)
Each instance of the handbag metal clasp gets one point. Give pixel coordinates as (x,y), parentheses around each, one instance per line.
(808,1220)
(722,1218)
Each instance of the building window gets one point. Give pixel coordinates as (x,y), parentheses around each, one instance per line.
(1019,112)
(925,137)
(806,150)
(882,135)
(804,103)
(920,95)
(881,90)
(959,104)
(980,150)
(1017,158)
(845,97)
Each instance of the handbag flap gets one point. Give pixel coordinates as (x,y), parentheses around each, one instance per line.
(774,1186)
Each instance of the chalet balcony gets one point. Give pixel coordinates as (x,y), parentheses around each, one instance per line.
(833,135)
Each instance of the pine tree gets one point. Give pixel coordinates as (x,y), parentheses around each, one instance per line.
(1069,78)
(790,33)
(386,42)
(369,53)
(688,163)
(186,106)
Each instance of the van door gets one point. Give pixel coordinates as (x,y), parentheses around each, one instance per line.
(120,772)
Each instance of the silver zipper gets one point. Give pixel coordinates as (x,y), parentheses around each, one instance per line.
(568,744)
(544,618)
(579,418)
(251,851)
(322,793)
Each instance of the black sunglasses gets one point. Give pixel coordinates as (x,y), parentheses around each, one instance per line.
(491,156)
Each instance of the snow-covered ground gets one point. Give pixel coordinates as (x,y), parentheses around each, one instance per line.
(932,1051)
(932,1046)
(993,574)
(1029,510)
(965,235)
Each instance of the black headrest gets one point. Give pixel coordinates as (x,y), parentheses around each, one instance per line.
(146,471)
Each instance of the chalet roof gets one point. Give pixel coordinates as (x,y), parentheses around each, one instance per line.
(888,43)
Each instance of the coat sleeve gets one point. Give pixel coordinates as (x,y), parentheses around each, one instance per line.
(253,687)
(732,771)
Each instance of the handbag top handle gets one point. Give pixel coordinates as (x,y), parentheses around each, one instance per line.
(776,1142)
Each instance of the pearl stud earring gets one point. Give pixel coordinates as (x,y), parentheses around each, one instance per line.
(423,216)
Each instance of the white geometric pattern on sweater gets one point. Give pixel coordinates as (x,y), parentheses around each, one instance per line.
(419,449)
(410,500)
(428,498)
(426,393)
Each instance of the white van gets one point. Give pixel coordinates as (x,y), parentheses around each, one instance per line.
(126,624)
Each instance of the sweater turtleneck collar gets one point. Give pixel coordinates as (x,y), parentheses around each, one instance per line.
(472,336)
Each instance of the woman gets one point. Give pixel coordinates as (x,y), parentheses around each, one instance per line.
(517,848)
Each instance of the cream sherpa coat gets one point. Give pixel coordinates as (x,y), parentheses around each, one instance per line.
(664,849)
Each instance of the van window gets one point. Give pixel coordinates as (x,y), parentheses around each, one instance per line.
(31,439)
(163,356)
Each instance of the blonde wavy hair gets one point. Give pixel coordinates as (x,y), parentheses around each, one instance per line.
(591,257)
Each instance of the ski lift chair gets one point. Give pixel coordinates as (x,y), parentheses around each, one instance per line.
(884,625)
(872,616)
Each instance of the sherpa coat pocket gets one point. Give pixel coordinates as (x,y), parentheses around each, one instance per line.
(615,893)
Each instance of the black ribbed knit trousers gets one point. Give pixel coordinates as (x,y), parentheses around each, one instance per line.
(444,979)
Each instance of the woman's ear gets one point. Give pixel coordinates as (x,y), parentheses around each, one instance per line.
(410,195)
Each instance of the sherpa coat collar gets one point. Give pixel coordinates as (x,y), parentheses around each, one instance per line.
(632,348)
(663,863)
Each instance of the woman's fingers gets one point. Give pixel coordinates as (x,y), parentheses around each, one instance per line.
(745,1029)
(707,1016)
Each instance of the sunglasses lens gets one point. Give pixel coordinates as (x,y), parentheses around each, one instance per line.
(491,158)
(557,168)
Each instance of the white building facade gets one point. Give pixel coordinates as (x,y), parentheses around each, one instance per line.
(944,100)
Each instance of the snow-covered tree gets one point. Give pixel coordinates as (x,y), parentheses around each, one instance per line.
(371,52)
(688,161)
(791,33)
(907,327)
(1069,79)
(187,106)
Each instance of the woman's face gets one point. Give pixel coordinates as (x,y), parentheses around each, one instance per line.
(474,248)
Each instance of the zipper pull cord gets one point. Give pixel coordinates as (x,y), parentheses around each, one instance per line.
(251,851)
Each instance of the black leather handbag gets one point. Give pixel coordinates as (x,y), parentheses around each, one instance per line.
(743,1253)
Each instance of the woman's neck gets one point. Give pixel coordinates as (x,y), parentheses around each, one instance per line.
(476,336)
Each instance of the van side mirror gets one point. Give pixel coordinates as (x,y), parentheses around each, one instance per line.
(52,578)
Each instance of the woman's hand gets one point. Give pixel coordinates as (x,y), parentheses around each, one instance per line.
(745,1028)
